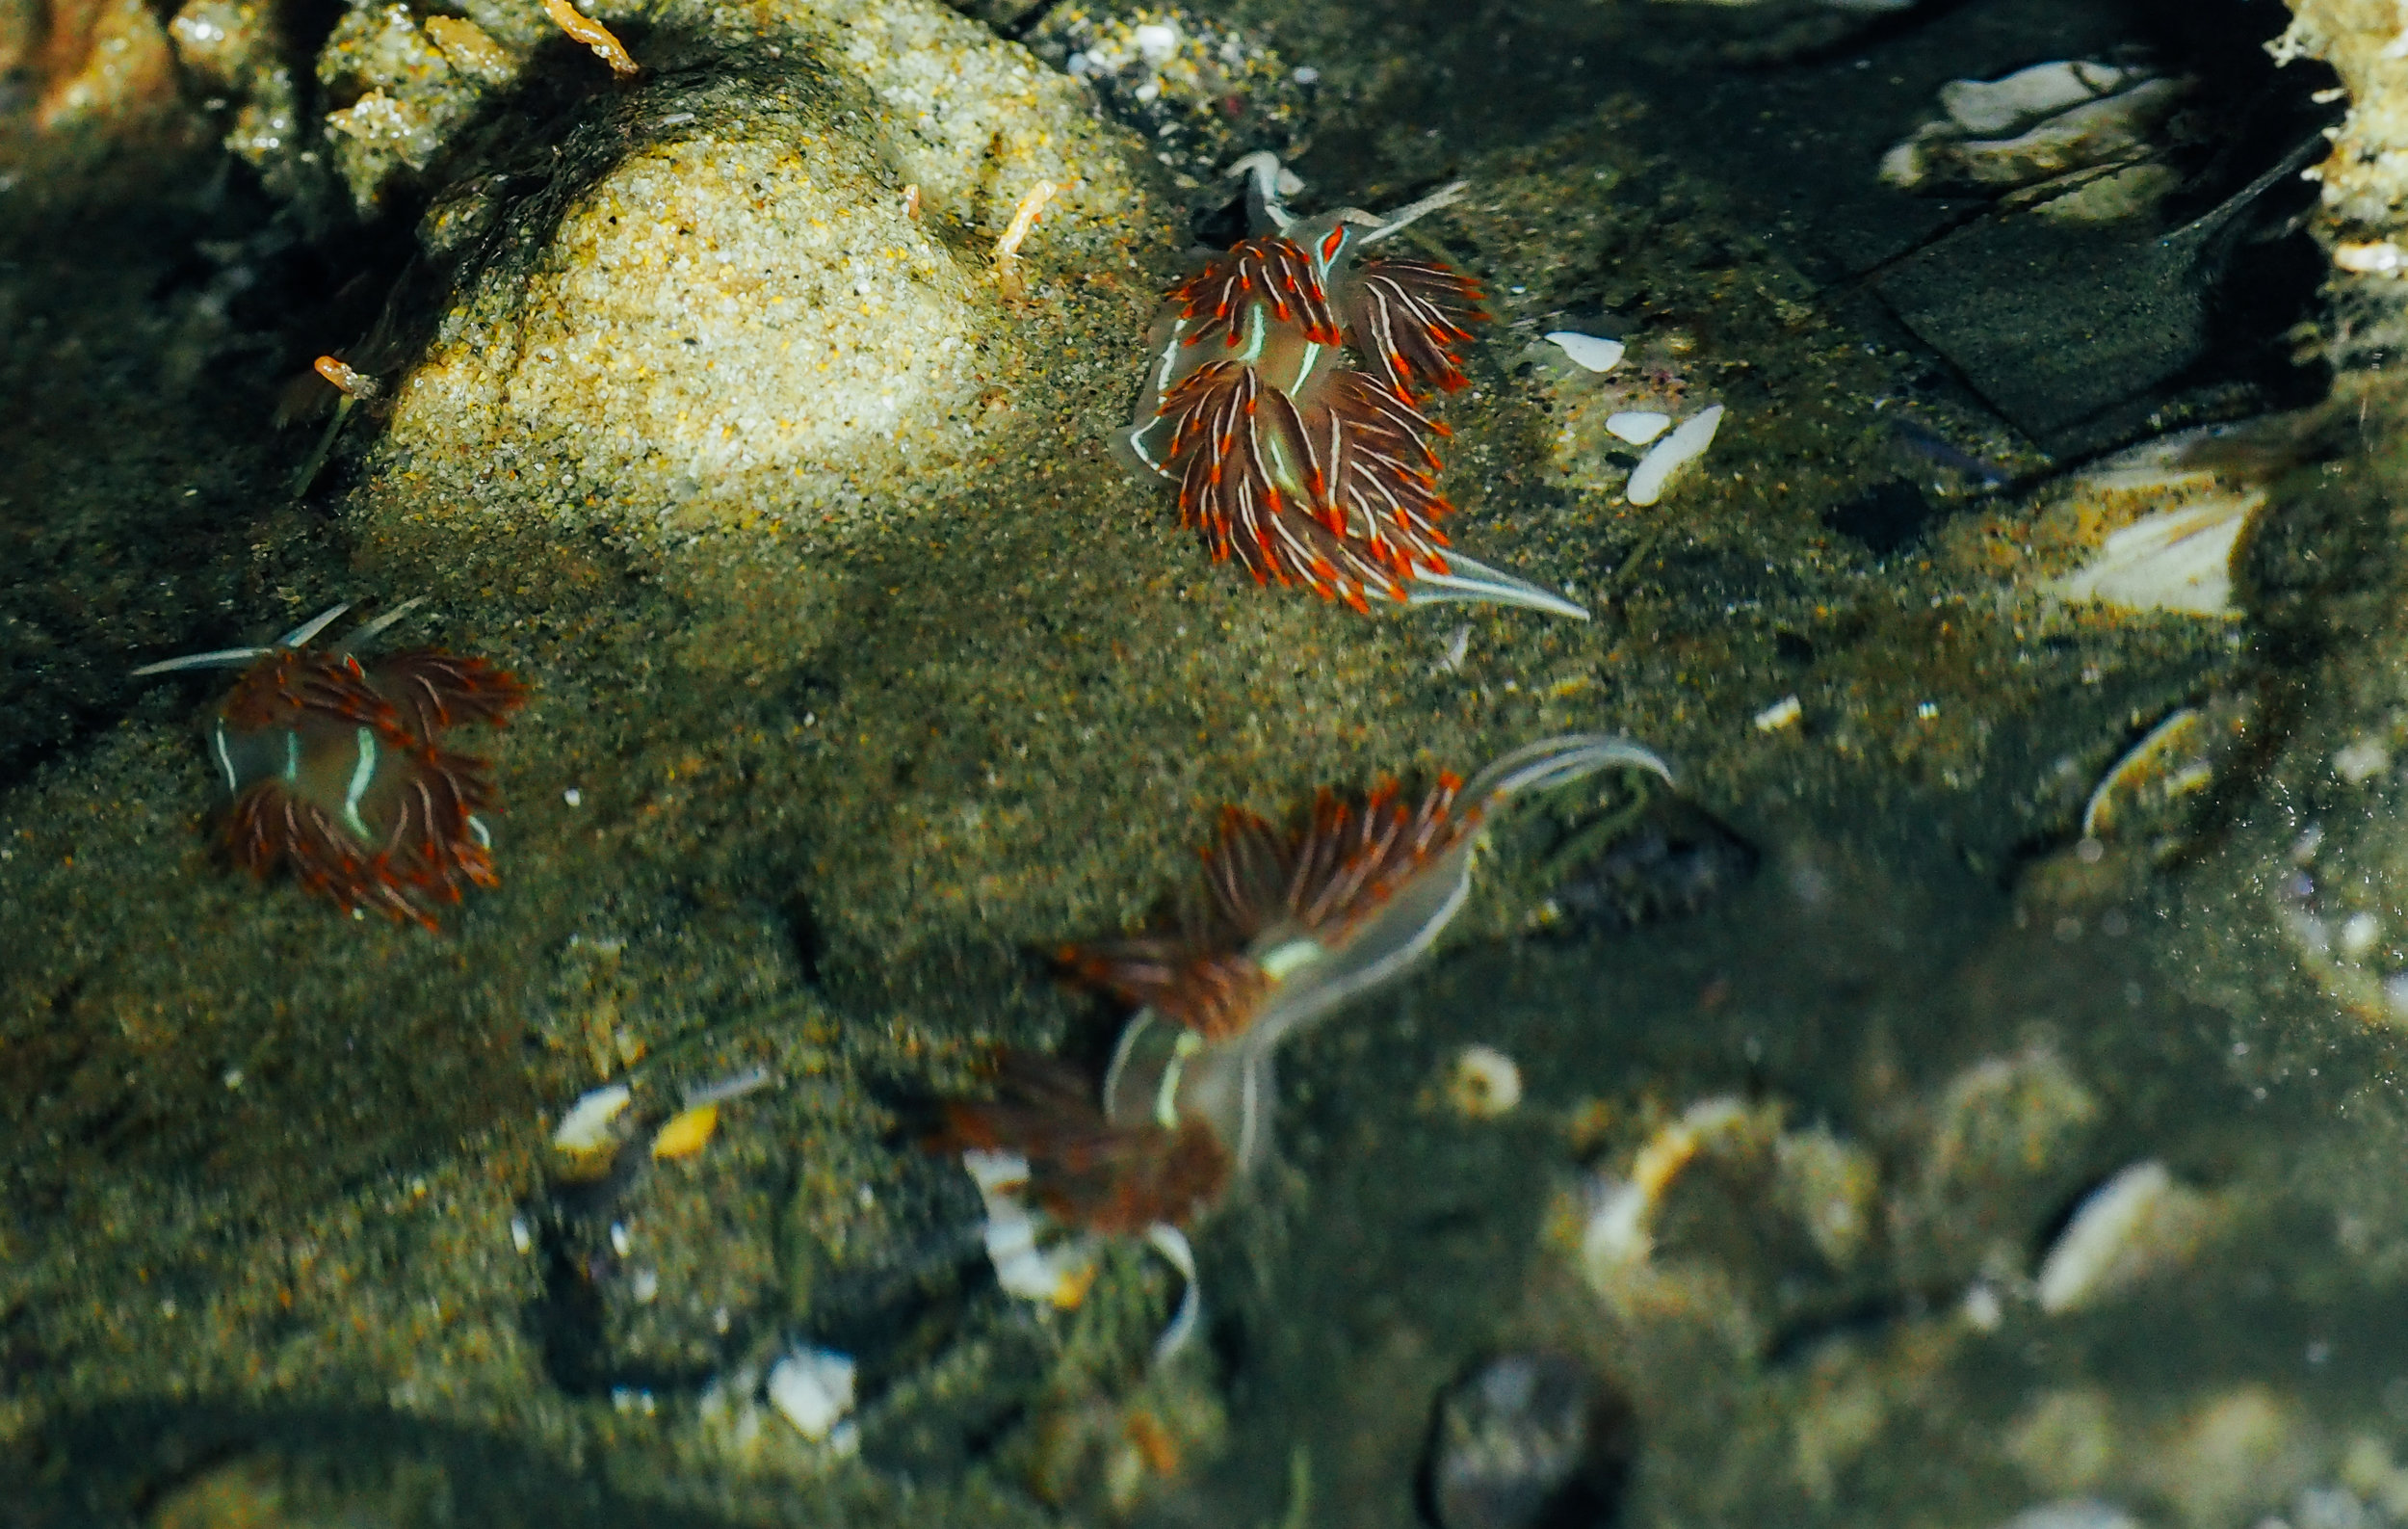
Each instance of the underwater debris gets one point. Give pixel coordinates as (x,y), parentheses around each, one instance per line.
(337,768)
(594,35)
(2139,1223)
(1024,217)
(2198,494)
(1637,425)
(352,384)
(1306,469)
(1198,92)
(2045,125)
(1287,929)
(1671,454)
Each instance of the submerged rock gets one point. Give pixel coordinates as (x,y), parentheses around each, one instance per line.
(1529,1440)
(762,291)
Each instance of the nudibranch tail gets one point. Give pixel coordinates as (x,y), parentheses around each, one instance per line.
(1463,579)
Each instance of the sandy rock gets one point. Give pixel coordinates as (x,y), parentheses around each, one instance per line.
(744,315)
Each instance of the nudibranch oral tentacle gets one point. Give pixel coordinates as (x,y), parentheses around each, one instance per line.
(337,768)
(1297,439)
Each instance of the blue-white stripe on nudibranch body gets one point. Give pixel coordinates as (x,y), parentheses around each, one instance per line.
(339,769)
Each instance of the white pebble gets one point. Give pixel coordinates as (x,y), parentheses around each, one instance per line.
(573,796)
(1637,425)
(2135,1223)
(1592,352)
(1672,453)
(2072,1513)
(1155,41)
(2362,761)
(813,1389)
(2360,933)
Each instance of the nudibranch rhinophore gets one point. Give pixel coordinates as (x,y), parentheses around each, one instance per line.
(1288,926)
(337,768)
(1286,397)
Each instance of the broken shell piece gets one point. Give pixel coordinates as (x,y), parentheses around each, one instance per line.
(1637,425)
(1616,1233)
(2170,762)
(586,1126)
(2138,1224)
(1669,455)
(2035,126)
(1590,352)
(2174,560)
(2019,101)
(1059,1275)
(813,1389)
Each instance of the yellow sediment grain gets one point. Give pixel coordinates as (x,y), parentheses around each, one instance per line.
(686,1132)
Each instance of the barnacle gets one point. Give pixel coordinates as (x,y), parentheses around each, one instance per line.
(1304,466)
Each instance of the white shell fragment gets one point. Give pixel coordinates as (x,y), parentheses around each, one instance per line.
(2134,1225)
(1669,455)
(1782,712)
(2174,560)
(1989,107)
(586,1126)
(1591,352)
(2034,125)
(1637,425)
(813,1389)
(1057,1275)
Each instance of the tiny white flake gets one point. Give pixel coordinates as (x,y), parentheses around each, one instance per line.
(1593,352)
(522,1237)
(1782,712)
(813,1389)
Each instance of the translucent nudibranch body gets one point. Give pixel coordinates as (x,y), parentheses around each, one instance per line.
(1285,396)
(1288,926)
(1288,929)
(338,768)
